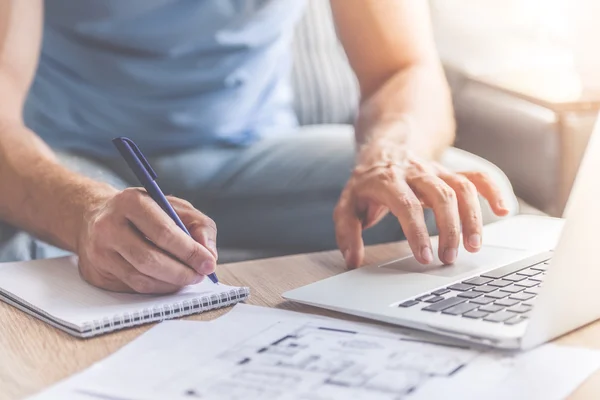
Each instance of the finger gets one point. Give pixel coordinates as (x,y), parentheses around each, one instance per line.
(149,260)
(138,282)
(489,190)
(348,234)
(155,224)
(202,228)
(405,205)
(443,202)
(469,209)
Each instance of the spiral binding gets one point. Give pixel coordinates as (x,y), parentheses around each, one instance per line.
(165,311)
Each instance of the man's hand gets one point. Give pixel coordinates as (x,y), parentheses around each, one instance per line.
(129,244)
(405,187)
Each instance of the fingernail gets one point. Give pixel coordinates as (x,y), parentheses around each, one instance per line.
(212,245)
(199,278)
(427,255)
(450,255)
(475,240)
(501,204)
(207,267)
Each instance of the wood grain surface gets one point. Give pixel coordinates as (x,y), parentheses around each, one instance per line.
(33,355)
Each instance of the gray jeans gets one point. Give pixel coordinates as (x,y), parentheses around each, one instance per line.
(275,197)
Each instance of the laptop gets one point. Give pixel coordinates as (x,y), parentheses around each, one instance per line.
(503,296)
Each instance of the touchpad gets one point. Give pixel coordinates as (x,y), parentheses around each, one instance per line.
(487,258)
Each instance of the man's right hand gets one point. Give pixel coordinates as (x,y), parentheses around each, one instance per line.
(127,243)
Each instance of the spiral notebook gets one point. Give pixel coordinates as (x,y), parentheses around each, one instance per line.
(52,291)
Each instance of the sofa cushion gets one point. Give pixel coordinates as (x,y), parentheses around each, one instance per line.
(326,89)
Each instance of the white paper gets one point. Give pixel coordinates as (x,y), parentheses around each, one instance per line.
(55,287)
(291,356)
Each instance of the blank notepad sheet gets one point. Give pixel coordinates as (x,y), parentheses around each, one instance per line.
(52,290)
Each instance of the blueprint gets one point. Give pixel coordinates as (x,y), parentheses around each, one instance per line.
(315,361)
(260,353)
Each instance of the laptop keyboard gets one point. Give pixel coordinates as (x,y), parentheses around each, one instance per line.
(503,295)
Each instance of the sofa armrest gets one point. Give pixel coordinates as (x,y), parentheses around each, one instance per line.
(519,137)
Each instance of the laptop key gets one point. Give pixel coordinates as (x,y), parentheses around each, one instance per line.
(506,302)
(512,289)
(515,320)
(528,283)
(461,287)
(529,272)
(498,295)
(423,298)
(500,316)
(434,299)
(442,305)
(483,300)
(540,267)
(500,283)
(475,314)
(408,303)
(470,294)
(460,309)
(520,309)
(477,281)
(515,277)
(504,271)
(485,289)
(522,296)
(532,290)
(440,292)
(491,308)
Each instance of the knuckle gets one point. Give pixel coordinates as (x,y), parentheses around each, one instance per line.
(194,255)
(164,235)
(465,185)
(387,174)
(128,195)
(445,193)
(210,224)
(410,203)
(452,232)
(420,235)
(141,284)
(145,261)
(479,176)
(473,218)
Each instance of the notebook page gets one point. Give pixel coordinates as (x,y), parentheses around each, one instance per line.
(54,286)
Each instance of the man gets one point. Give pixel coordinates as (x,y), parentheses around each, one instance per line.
(202,87)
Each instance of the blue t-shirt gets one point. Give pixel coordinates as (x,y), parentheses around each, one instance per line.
(169,74)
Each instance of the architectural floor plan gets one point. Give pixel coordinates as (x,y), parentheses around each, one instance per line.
(315,361)
(260,353)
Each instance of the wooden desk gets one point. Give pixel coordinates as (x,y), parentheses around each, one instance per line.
(34,355)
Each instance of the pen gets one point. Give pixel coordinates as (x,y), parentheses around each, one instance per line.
(147,177)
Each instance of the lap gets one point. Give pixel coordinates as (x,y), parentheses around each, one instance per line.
(278,194)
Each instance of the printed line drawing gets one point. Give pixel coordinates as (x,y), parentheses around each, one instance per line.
(319,362)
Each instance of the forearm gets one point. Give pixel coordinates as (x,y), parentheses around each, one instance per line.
(411,111)
(39,195)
